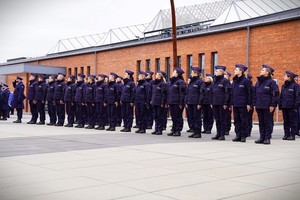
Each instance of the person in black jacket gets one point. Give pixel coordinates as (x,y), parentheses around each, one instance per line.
(100,98)
(289,103)
(59,94)
(30,98)
(79,101)
(127,100)
(4,101)
(40,97)
(69,100)
(18,98)
(50,100)
(90,101)
(207,111)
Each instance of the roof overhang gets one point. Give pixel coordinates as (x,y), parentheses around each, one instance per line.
(31,68)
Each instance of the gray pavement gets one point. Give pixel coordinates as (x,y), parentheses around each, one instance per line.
(56,163)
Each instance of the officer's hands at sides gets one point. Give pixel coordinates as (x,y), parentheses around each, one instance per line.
(225,107)
(34,101)
(248,108)
(61,102)
(131,104)
(198,107)
(116,104)
(104,104)
(272,109)
(181,106)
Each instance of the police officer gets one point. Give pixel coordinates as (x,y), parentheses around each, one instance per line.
(4,101)
(18,98)
(112,101)
(50,100)
(298,116)
(158,101)
(241,101)
(101,110)
(30,98)
(127,100)
(207,111)
(90,101)
(194,101)
(265,101)
(59,94)
(69,100)
(228,111)
(250,113)
(142,101)
(40,98)
(176,95)
(289,103)
(220,101)
(150,120)
(119,82)
(79,101)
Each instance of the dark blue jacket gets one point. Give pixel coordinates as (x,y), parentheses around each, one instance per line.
(70,92)
(31,90)
(100,89)
(142,94)
(221,91)
(290,95)
(266,93)
(241,92)
(159,92)
(79,94)
(18,96)
(89,93)
(50,91)
(59,90)
(195,92)
(113,93)
(207,93)
(40,91)
(176,91)
(128,91)
(4,102)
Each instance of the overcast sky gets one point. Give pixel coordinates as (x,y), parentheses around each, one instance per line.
(30,28)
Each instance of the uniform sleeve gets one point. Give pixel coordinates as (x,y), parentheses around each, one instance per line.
(132,92)
(73,92)
(118,88)
(148,93)
(45,88)
(21,94)
(297,96)
(164,94)
(105,88)
(202,92)
(248,87)
(274,94)
(182,92)
(228,92)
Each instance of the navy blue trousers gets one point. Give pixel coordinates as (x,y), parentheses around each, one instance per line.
(158,116)
(265,118)
(33,110)
(41,110)
(51,111)
(221,123)
(80,113)
(250,122)
(70,109)
(194,116)
(112,115)
(208,117)
(228,113)
(150,116)
(176,115)
(127,114)
(241,121)
(141,113)
(290,121)
(60,112)
(101,114)
(91,111)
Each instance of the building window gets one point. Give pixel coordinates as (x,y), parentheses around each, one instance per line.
(202,62)
(179,61)
(69,71)
(138,67)
(168,67)
(214,61)
(157,64)
(148,65)
(189,64)
(88,70)
(76,71)
(82,70)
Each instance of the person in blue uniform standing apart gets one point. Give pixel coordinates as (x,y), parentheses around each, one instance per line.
(59,94)
(30,97)
(18,98)
(228,113)
(69,100)
(79,101)
(101,109)
(158,101)
(127,100)
(142,101)
(221,91)
(241,101)
(4,101)
(194,101)
(50,100)
(150,120)
(90,101)
(251,111)
(265,101)
(289,103)
(207,111)
(40,98)
(120,83)
(176,96)
(113,94)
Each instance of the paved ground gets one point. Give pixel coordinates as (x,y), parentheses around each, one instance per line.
(55,163)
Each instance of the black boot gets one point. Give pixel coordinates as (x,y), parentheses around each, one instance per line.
(50,124)
(267,141)
(177,134)
(159,133)
(236,139)
(137,131)
(259,141)
(190,131)
(127,130)
(215,138)
(222,138)
(191,136)
(197,135)
(153,133)
(41,123)
(18,121)
(291,138)
(142,131)
(79,126)
(31,122)
(243,139)
(170,134)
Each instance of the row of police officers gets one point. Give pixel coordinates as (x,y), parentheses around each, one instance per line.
(94,102)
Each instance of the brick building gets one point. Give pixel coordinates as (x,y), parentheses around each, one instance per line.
(248,32)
